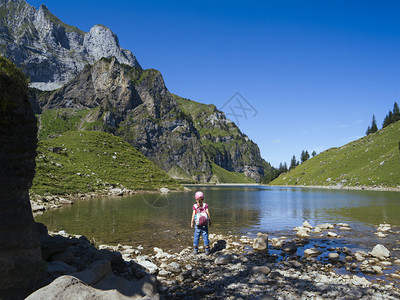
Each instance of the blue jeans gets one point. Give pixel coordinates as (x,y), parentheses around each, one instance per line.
(203,230)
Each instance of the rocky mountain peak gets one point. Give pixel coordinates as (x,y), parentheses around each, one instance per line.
(49,51)
(100,42)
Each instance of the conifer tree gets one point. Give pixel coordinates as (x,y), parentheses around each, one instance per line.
(313,153)
(388,119)
(293,163)
(396,112)
(373,128)
(392,117)
(304,156)
(368,130)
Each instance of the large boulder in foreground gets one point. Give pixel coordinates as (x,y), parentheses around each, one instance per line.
(21,263)
(109,288)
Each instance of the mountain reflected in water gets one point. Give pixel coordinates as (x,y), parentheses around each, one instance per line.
(163,220)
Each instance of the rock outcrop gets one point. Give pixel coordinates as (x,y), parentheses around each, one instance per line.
(50,52)
(21,261)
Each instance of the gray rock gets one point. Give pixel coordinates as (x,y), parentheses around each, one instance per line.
(261,270)
(65,201)
(164,190)
(174,267)
(332,234)
(303,233)
(144,288)
(326,226)
(380,251)
(67,256)
(60,267)
(360,281)
(69,287)
(114,257)
(95,272)
(312,252)
(116,192)
(333,257)
(55,244)
(307,225)
(262,278)
(148,266)
(223,260)
(196,274)
(289,248)
(260,242)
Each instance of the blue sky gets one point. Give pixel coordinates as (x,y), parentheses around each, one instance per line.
(314,71)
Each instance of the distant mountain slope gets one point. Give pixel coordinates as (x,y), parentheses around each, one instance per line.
(49,51)
(222,141)
(87,161)
(373,160)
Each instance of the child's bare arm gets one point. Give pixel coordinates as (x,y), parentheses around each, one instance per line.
(209,217)
(192,221)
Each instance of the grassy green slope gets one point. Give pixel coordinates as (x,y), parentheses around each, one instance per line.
(57,121)
(94,161)
(220,175)
(369,161)
(199,112)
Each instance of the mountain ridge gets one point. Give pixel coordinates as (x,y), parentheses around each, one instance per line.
(136,105)
(105,85)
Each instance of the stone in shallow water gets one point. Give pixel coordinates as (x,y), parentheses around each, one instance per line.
(381,235)
(381,252)
(384,227)
(333,257)
(289,248)
(344,228)
(260,242)
(332,234)
(302,233)
(326,226)
(307,225)
(312,252)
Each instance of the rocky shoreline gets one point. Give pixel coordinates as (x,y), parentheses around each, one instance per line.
(41,203)
(239,267)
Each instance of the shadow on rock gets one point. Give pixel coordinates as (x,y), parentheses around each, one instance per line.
(75,267)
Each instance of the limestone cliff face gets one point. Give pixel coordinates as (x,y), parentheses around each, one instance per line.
(137,106)
(50,52)
(20,254)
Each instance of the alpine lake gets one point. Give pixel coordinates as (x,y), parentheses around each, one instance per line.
(163,220)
